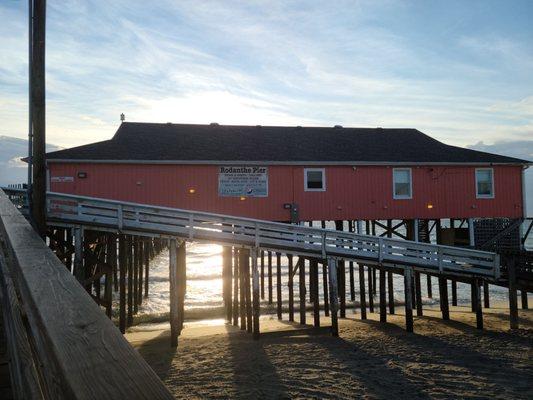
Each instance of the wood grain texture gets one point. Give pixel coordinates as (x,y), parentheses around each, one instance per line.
(83,354)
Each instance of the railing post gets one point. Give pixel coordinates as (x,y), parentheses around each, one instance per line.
(333,297)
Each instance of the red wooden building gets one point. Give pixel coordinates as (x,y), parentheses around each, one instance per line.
(309,173)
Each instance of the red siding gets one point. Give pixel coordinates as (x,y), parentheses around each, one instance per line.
(364,192)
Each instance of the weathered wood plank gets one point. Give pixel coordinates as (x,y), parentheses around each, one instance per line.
(83,354)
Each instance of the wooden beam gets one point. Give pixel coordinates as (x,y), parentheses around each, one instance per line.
(418,291)
(443,295)
(382,295)
(302,291)
(291,287)
(362,296)
(38,116)
(333,296)
(173,280)
(278,285)
(255,283)
(123,265)
(513,298)
(407,281)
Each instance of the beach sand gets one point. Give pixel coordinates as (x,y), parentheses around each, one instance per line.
(442,359)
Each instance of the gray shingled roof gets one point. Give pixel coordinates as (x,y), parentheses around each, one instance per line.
(190,143)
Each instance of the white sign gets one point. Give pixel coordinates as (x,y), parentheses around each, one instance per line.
(240,181)
(62,179)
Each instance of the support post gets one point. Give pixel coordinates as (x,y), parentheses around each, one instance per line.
(479,309)
(255,283)
(486,299)
(173,271)
(429,287)
(370,290)
(236,281)
(111,260)
(269,271)
(278,285)
(242,285)
(325,287)
(454,292)
(248,294)
(443,295)
(262,274)
(302,291)
(333,299)
(182,282)
(122,278)
(291,287)
(129,252)
(418,291)
(226,285)
(523,296)
(382,295)
(78,254)
(407,280)
(341,276)
(513,298)
(38,119)
(313,267)
(147,266)
(362,295)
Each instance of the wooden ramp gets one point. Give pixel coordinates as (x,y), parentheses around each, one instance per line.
(140,219)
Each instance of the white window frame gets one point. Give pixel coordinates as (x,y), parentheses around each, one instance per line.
(485,196)
(323,170)
(402,197)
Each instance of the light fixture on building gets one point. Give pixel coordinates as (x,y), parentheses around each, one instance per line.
(242,198)
(192,191)
(430,206)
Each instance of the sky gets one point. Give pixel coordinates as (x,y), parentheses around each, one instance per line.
(460,71)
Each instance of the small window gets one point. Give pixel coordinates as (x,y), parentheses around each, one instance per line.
(315,179)
(402,183)
(484,183)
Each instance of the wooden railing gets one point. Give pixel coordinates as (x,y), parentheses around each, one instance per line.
(61,345)
(215,228)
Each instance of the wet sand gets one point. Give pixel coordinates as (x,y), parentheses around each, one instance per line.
(442,359)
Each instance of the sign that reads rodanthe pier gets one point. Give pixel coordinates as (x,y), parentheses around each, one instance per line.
(236,181)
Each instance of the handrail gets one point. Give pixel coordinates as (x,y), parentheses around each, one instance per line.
(63,346)
(203,226)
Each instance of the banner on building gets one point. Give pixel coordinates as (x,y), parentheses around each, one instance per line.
(237,181)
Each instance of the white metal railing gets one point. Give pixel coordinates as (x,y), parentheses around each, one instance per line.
(316,242)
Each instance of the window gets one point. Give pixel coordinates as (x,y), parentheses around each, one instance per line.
(402,184)
(314,179)
(484,183)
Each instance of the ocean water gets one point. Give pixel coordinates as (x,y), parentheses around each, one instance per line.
(204,285)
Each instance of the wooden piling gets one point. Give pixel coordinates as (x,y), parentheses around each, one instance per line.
(454,292)
(236,281)
(111,261)
(382,295)
(173,287)
(248,296)
(407,281)
(370,290)
(313,268)
(429,287)
(269,271)
(278,285)
(486,299)
(135,274)
(351,228)
(477,298)
(226,285)
(513,299)
(141,271)
(78,254)
(362,296)
(302,291)
(418,291)
(129,252)
(147,266)
(523,296)
(341,276)
(333,300)
(262,274)
(443,298)
(255,284)
(325,287)
(291,286)
(242,294)
(182,282)
(123,265)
